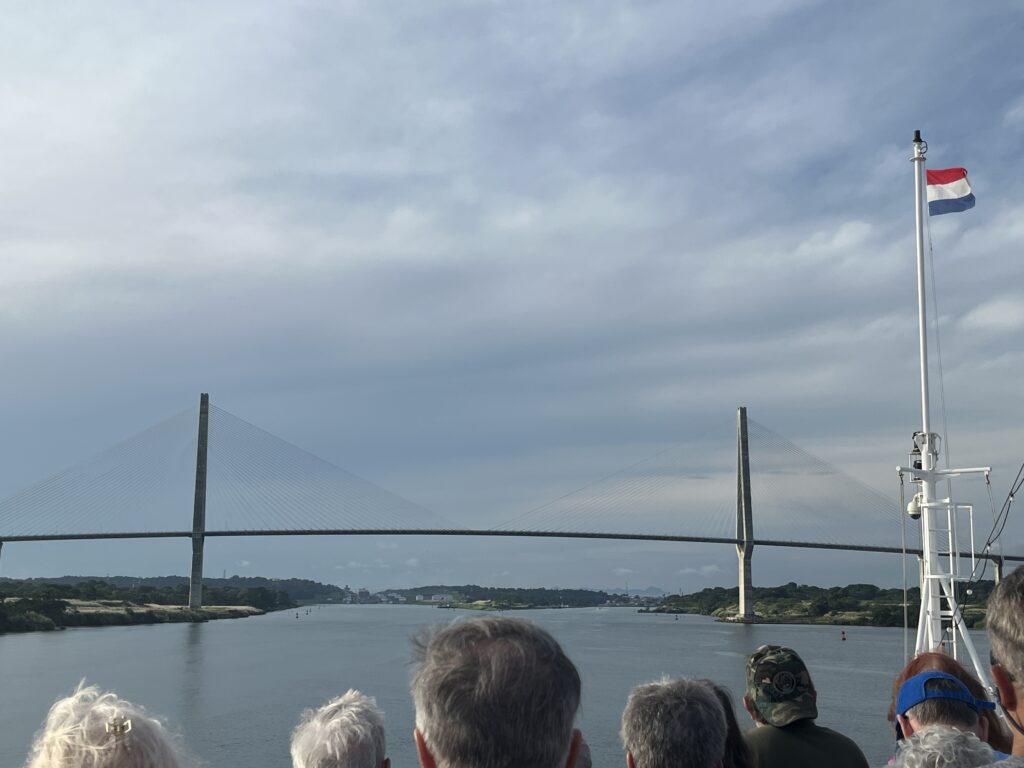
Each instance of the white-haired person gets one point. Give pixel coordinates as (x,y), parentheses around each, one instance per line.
(96,729)
(942,746)
(346,732)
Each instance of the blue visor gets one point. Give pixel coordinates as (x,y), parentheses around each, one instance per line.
(914,691)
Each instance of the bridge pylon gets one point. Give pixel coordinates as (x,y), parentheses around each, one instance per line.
(744,518)
(195,582)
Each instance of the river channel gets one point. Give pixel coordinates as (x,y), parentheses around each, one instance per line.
(236,688)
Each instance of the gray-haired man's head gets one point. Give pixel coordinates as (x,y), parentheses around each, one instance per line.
(933,697)
(673,724)
(494,693)
(1005,623)
(346,732)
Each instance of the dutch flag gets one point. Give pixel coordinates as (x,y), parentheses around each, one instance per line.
(948,191)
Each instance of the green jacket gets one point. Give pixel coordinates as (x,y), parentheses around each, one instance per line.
(800,744)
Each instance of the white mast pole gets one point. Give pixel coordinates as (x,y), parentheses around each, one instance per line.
(931,636)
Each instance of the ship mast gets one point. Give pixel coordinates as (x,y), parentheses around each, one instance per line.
(940,625)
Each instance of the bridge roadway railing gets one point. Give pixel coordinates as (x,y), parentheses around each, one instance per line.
(474,532)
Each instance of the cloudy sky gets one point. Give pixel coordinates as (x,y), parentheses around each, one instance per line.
(486,254)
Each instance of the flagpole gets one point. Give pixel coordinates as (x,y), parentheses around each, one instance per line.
(929,634)
(937,515)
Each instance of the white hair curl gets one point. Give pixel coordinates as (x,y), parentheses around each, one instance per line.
(942,746)
(346,732)
(96,729)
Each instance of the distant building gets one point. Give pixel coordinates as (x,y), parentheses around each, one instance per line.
(420,598)
(442,598)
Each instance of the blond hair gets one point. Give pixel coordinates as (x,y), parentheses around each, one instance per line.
(96,729)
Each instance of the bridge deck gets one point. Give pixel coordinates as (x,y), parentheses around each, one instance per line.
(474,532)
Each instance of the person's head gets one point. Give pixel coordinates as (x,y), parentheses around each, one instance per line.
(779,687)
(93,729)
(346,732)
(943,747)
(737,753)
(494,693)
(937,698)
(1005,624)
(673,724)
(997,735)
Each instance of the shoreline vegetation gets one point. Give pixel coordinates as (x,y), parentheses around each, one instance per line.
(29,605)
(853,605)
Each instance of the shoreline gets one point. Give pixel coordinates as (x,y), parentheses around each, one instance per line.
(78,613)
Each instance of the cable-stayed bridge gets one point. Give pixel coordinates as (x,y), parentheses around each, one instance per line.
(239,480)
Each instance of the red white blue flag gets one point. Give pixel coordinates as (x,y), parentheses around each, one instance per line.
(948,191)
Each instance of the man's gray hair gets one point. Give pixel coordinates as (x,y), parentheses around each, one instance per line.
(958,714)
(346,732)
(674,724)
(1005,623)
(943,747)
(97,729)
(494,693)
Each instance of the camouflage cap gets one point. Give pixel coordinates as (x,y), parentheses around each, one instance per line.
(779,685)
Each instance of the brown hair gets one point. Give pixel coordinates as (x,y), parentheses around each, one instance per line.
(998,737)
(737,753)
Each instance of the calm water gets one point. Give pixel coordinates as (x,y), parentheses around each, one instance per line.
(236,688)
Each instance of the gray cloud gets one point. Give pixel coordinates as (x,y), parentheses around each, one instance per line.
(485,256)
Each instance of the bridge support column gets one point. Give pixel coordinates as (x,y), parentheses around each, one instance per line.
(744,518)
(195,582)
(997,566)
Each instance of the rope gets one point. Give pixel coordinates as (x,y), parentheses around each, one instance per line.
(255,481)
(903,561)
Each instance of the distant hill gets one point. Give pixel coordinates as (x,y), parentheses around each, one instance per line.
(645,592)
(538,597)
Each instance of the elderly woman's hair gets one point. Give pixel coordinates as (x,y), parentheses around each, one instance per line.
(737,753)
(346,732)
(93,729)
(943,747)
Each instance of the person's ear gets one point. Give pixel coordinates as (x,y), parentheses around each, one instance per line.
(982,729)
(905,726)
(422,750)
(751,709)
(574,748)
(630,762)
(1004,687)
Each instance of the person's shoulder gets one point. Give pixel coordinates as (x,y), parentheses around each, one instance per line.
(757,736)
(843,744)
(835,735)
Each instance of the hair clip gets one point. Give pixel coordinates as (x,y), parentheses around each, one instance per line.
(119,726)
